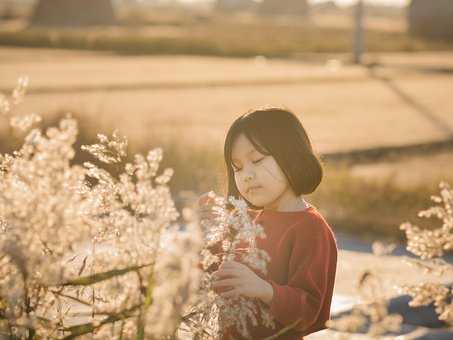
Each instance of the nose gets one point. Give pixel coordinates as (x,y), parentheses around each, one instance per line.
(249,175)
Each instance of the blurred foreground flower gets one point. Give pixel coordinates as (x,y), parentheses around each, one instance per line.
(431,246)
(80,249)
(86,253)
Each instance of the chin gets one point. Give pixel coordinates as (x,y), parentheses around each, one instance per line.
(252,201)
(258,202)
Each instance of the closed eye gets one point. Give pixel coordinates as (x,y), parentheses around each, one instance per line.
(258,160)
(235,169)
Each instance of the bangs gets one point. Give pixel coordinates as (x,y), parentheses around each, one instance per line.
(250,131)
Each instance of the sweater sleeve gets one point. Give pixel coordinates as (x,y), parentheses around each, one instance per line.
(311,273)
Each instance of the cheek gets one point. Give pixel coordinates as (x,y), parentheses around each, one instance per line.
(274,173)
(239,182)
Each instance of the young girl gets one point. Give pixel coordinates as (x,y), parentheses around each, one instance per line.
(271,165)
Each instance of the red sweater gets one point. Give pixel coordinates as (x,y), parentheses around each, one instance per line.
(303,253)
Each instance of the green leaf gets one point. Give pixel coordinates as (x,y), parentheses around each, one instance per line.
(149,290)
(89,327)
(147,303)
(98,277)
(140,327)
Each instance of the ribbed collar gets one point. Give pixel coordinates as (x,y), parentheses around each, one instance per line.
(274,214)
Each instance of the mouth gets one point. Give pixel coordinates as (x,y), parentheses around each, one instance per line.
(253,189)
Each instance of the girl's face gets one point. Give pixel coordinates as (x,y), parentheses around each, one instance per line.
(258,177)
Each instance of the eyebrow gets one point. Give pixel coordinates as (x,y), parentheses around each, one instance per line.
(248,153)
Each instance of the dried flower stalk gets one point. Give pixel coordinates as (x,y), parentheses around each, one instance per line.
(86,253)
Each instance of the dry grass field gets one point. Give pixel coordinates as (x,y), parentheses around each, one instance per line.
(187,103)
(190,101)
(196,98)
(435,168)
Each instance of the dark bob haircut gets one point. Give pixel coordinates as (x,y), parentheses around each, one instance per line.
(279,133)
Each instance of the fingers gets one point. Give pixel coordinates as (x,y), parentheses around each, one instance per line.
(226,282)
(230,264)
(232,293)
(233,265)
(232,270)
(229,268)
(224,272)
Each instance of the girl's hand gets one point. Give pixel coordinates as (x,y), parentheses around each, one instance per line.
(243,281)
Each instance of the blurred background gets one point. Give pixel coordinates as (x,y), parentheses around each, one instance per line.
(371,81)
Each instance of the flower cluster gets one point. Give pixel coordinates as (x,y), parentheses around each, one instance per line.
(428,244)
(373,313)
(108,150)
(8,102)
(431,246)
(82,251)
(230,235)
(87,253)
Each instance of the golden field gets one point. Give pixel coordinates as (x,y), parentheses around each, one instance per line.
(145,84)
(186,103)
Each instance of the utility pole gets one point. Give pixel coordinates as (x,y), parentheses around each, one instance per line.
(358,45)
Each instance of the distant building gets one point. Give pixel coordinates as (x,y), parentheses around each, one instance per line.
(73,13)
(431,18)
(287,7)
